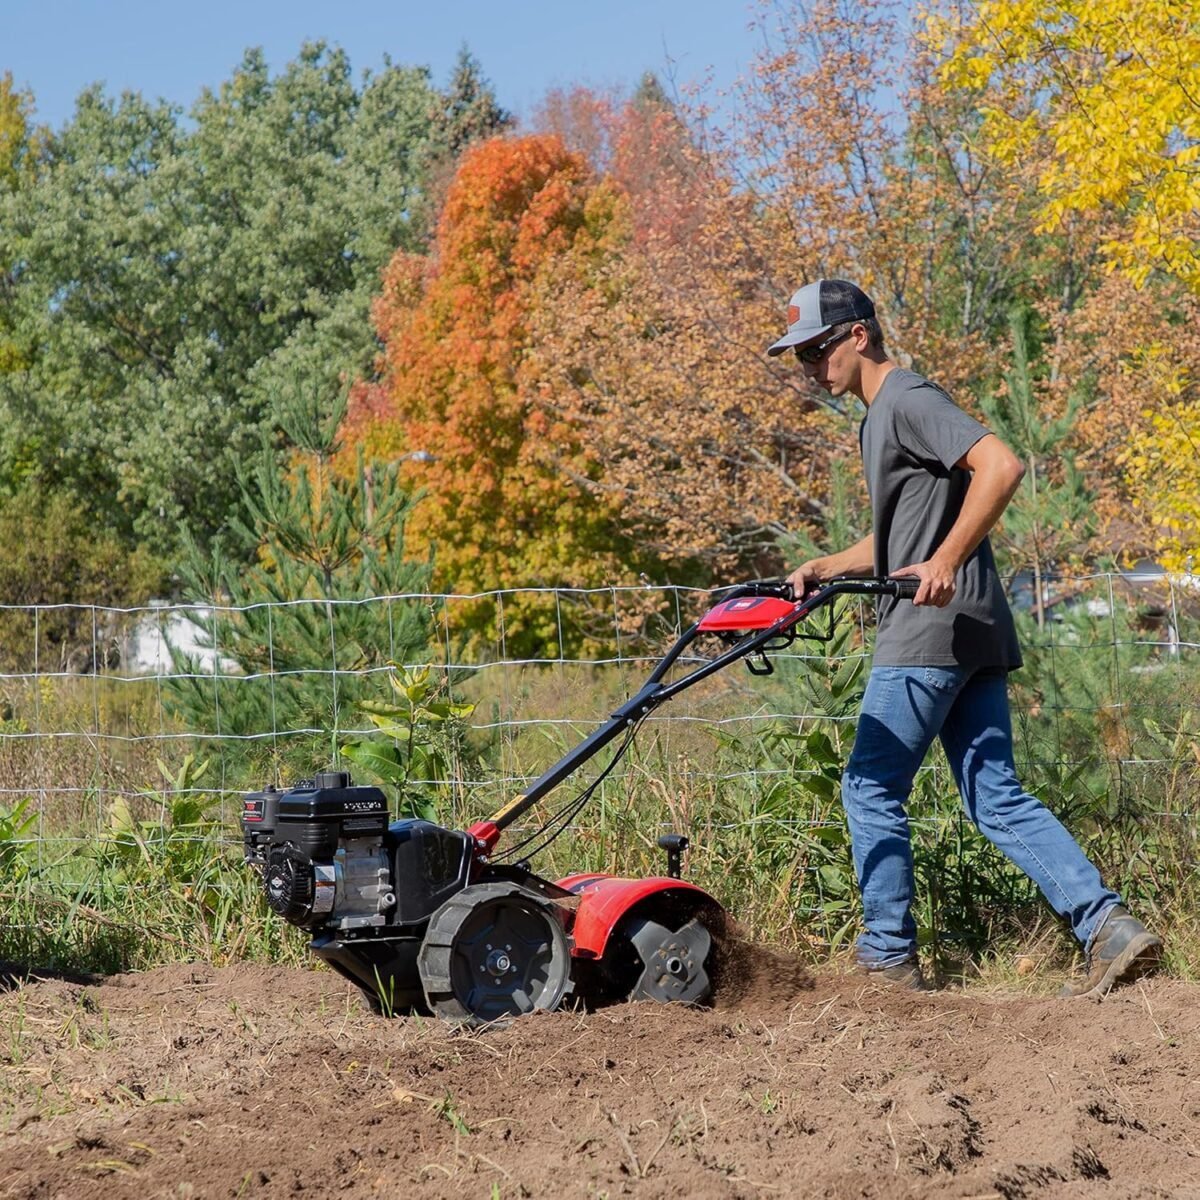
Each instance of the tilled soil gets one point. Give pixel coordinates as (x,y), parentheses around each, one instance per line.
(261,1082)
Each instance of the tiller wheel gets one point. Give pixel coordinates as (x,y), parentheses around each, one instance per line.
(494,950)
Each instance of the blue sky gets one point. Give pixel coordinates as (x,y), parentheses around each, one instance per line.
(172,50)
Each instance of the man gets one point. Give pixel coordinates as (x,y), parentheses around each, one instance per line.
(938,482)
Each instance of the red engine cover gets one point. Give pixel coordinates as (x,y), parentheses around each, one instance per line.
(746,612)
(605,899)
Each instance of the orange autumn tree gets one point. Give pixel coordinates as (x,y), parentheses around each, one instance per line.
(659,351)
(512,493)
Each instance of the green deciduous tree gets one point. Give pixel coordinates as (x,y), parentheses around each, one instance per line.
(172,272)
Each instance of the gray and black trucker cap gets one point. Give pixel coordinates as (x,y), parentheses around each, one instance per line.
(817,307)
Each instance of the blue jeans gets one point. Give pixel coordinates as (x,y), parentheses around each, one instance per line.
(903,709)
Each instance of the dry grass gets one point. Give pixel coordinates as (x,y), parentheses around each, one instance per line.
(762,840)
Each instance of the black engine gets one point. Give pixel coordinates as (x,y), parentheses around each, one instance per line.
(332,863)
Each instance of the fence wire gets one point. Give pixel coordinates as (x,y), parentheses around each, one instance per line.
(98,728)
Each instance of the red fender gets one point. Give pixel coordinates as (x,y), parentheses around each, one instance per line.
(605,899)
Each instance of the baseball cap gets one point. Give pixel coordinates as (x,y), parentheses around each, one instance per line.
(817,307)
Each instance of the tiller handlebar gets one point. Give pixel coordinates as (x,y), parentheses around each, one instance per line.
(752,618)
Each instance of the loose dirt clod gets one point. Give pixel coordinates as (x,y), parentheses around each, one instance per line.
(270,1082)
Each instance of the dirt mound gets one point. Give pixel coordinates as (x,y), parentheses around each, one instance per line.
(253,1081)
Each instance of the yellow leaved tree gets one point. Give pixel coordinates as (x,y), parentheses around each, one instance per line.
(1163,460)
(1105,100)
(18,147)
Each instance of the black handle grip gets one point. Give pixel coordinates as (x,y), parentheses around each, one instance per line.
(779,588)
(903,588)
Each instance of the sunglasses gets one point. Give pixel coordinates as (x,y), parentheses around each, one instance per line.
(812,354)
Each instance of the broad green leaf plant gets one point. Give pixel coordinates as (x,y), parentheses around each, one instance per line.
(414,749)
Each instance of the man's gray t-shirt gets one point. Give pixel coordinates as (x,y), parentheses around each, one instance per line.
(911,437)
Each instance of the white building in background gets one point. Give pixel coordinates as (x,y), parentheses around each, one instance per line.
(163,627)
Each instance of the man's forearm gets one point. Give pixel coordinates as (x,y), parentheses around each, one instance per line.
(986,498)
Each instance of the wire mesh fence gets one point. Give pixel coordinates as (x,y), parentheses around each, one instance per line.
(96,731)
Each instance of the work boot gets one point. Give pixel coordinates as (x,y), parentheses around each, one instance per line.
(1122,950)
(905,976)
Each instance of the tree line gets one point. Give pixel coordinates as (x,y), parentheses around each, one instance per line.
(315,290)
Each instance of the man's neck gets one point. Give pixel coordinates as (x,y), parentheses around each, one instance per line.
(872,377)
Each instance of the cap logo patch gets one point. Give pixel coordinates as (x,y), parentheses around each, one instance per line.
(793,314)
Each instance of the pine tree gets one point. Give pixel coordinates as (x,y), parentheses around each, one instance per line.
(310,627)
(1052,512)
(468,109)
(843,519)
(649,96)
